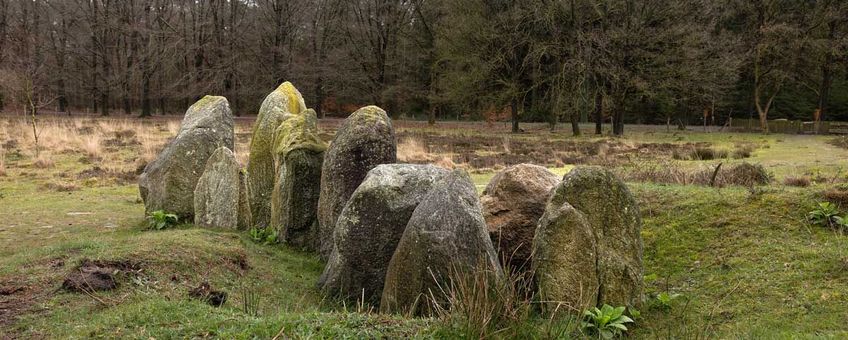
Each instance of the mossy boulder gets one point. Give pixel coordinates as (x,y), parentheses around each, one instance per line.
(216,197)
(370,227)
(513,202)
(286,101)
(612,214)
(445,240)
(168,182)
(366,139)
(298,155)
(565,260)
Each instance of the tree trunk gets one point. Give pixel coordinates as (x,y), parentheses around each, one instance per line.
(599,113)
(575,123)
(827,76)
(514,115)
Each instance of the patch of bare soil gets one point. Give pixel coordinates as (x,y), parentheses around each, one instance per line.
(91,276)
(204,292)
(493,151)
(17,298)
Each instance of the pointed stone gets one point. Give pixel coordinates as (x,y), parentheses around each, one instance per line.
(168,182)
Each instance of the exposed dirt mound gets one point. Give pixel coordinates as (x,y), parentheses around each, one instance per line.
(98,275)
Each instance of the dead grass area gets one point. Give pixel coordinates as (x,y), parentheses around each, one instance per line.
(719,175)
(494,151)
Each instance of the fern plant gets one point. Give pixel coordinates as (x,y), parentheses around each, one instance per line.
(160,219)
(264,236)
(607,322)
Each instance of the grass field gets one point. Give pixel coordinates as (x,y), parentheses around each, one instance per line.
(743,258)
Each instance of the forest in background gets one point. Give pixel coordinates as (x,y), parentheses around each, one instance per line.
(559,61)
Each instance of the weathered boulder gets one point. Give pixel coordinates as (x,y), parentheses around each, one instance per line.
(245,215)
(298,154)
(365,140)
(445,240)
(370,227)
(612,214)
(216,196)
(513,202)
(284,102)
(564,260)
(168,182)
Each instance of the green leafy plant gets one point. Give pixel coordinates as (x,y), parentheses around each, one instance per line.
(665,299)
(607,322)
(160,219)
(826,215)
(264,236)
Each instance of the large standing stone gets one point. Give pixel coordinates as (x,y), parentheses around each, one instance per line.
(216,197)
(298,153)
(613,216)
(564,260)
(513,202)
(370,227)
(169,181)
(445,240)
(365,140)
(284,102)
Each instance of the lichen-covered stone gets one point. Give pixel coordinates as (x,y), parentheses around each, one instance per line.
(445,240)
(285,101)
(564,260)
(168,182)
(513,202)
(245,215)
(298,155)
(365,140)
(613,215)
(217,192)
(370,226)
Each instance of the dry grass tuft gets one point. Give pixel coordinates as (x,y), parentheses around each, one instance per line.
(743,151)
(744,174)
(2,162)
(801,182)
(91,146)
(837,195)
(173,127)
(43,161)
(61,186)
(412,150)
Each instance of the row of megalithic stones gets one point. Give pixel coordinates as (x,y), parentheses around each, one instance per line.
(398,234)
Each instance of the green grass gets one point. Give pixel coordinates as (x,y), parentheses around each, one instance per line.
(747,264)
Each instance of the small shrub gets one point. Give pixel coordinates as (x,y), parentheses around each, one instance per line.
(159,220)
(607,322)
(793,181)
(665,299)
(837,195)
(743,151)
(263,236)
(748,174)
(703,154)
